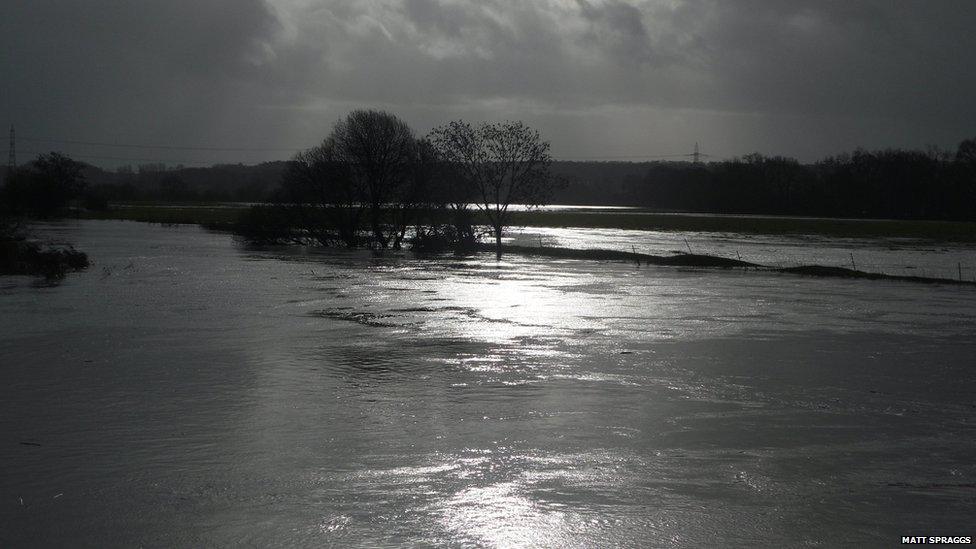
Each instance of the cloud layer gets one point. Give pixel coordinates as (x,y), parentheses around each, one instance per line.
(599,77)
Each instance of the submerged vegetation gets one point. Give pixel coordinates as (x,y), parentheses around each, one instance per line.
(44,189)
(21,256)
(372,182)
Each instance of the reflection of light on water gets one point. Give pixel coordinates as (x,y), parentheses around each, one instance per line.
(499,516)
(335,525)
(606,378)
(509,307)
(415,472)
(524,503)
(496,497)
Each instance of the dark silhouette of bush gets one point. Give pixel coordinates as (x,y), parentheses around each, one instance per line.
(319,195)
(370,182)
(94,199)
(269,224)
(20,256)
(45,187)
(172,187)
(966,152)
(379,151)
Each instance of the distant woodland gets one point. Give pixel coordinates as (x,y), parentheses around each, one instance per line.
(899,184)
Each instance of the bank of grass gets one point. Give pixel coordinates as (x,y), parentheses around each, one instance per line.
(225,217)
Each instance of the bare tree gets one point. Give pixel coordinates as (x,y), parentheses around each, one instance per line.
(379,149)
(501,163)
(326,199)
(451,189)
(364,172)
(417,198)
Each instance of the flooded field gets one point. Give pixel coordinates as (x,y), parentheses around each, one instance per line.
(189,391)
(892,256)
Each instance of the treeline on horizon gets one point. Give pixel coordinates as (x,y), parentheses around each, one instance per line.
(891,183)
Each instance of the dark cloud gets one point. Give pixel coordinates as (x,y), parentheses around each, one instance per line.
(174,71)
(600,77)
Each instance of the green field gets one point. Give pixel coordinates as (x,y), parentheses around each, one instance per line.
(225,216)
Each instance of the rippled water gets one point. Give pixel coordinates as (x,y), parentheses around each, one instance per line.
(188,391)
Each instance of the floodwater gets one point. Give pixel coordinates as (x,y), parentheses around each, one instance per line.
(893,256)
(189,391)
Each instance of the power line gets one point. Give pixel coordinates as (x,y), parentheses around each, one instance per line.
(620,157)
(165,147)
(199,163)
(294,149)
(635,157)
(134,159)
(261,149)
(694,156)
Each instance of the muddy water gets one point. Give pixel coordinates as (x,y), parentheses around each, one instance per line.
(189,391)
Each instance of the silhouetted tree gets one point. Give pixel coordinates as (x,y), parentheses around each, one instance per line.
(370,168)
(173,187)
(323,195)
(378,149)
(966,152)
(417,200)
(45,187)
(501,163)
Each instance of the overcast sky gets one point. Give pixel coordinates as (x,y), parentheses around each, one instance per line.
(600,79)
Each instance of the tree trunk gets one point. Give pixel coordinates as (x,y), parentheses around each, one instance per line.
(498,243)
(379,237)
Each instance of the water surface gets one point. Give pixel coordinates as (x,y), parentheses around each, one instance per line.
(189,391)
